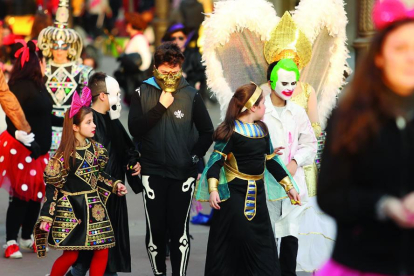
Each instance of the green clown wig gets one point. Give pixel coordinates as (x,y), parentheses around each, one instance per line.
(286,64)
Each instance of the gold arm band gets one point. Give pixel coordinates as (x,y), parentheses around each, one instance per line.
(212,185)
(286,184)
(317,129)
(222,154)
(270,156)
(253,98)
(45,218)
(115,187)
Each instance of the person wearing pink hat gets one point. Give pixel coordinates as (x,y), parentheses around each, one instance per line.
(366,181)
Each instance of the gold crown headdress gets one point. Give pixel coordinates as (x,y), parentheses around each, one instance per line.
(253,99)
(287,41)
(61,32)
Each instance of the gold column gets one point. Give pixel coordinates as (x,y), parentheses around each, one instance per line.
(162,8)
(365,27)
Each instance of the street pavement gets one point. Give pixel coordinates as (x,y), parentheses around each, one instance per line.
(30,265)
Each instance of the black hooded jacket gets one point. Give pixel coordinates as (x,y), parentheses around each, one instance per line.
(169,137)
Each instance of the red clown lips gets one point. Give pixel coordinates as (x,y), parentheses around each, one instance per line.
(287,93)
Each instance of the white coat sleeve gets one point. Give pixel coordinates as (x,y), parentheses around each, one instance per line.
(307,143)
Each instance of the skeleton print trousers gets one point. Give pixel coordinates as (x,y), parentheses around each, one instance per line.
(167,205)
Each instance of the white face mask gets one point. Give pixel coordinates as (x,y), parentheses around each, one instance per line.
(114,96)
(285,84)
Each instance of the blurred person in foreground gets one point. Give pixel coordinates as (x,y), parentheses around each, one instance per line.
(366,180)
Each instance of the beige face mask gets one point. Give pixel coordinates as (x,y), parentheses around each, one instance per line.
(168,82)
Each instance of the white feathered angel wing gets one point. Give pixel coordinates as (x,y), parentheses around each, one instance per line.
(326,29)
(235,34)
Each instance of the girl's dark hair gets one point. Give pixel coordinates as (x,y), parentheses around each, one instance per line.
(169,53)
(363,108)
(270,69)
(237,102)
(68,143)
(31,68)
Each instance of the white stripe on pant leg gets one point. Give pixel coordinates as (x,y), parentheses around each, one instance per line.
(145,183)
(151,248)
(184,242)
(187,184)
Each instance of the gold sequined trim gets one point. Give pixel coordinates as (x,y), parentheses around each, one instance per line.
(44,218)
(55,194)
(88,144)
(78,193)
(90,247)
(104,194)
(52,208)
(98,212)
(53,168)
(106,181)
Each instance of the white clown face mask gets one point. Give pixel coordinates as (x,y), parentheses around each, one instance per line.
(114,97)
(285,84)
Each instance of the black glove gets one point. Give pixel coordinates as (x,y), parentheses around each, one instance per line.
(35,149)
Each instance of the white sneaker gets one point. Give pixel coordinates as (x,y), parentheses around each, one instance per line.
(12,250)
(29,244)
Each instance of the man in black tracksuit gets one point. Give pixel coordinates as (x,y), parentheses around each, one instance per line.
(169,119)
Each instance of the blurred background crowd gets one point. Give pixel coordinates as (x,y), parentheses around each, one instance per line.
(127,30)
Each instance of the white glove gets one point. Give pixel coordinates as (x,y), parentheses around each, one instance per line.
(24,138)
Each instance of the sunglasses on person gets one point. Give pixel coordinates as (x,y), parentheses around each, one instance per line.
(180,38)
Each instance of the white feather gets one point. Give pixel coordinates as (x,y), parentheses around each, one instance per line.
(260,17)
(311,21)
(231,16)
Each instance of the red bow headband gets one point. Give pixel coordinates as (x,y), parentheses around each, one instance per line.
(79,102)
(24,52)
(389,11)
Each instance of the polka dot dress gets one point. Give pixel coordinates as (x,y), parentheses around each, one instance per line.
(20,174)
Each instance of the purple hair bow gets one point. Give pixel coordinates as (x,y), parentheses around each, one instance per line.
(79,102)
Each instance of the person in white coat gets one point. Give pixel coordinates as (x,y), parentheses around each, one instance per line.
(290,129)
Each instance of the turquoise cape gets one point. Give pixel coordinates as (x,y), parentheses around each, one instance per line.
(273,189)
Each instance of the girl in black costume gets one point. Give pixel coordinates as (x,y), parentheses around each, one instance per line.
(241,239)
(77,189)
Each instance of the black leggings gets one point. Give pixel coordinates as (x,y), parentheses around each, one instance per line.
(167,204)
(288,254)
(21,213)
